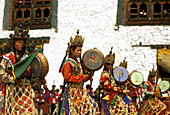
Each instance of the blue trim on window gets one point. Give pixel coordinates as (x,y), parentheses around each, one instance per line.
(120,12)
(126,17)
(6,14)
(54,13)
(150,8)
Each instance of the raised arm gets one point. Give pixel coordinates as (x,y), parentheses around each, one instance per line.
(105,83)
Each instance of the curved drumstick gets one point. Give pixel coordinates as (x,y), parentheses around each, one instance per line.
(163,86)
(87,58)
(120,74)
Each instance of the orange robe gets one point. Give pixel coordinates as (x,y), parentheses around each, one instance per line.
(75,100)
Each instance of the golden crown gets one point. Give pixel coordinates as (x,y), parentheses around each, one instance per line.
(152,73)
(124,63)
(110,58)
(77,41)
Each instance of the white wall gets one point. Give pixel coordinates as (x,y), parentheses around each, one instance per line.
(96,19)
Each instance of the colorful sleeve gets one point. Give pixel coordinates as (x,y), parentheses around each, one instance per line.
(67,72)
(145,90)
(104,81)
(122,91)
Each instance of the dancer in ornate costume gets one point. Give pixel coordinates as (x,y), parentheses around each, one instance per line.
(112,103)
(75,100)
(16,75)
(151,104)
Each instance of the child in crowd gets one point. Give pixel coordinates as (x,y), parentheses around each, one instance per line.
(53,101)
(40,100)
(57,95)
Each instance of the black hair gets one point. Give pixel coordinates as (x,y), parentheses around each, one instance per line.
(150,77)
(105,68)
(87,86)
(73,48)
(53,86)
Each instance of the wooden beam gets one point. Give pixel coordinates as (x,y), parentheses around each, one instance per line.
(157,46)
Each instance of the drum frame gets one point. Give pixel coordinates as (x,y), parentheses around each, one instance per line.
(120,81)
(43,64)
(162,81)
(83,59)
(129,78)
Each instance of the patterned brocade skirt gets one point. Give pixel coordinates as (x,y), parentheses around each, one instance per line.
(18,99)
(118,108)
(154,106)
(77,102)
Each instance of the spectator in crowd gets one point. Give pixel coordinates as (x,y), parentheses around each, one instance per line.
(53,101)
(88,90)
(35,99)
(53,89)
(35,105)
(41,101)
(47,101)
(166,13)
(57,95)
(61,87)
(143,13)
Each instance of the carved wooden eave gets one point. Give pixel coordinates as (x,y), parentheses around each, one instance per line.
(156,46)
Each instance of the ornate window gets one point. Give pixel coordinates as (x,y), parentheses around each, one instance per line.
(142,12)
(32,13)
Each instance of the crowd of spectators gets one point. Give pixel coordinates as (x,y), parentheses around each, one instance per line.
(46,100)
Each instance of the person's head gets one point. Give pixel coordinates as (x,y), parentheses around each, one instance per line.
(152,76)
(108,66)
(75,46)
(75,51)
(61,86)
(57,90)
(109,61)
(19,45)
(35,90)
(41,91)
(19,41)
(53,87)
(151,79)
(88,86)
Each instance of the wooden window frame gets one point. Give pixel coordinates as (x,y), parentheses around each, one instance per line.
(30,21)
(142,20)
(150,19)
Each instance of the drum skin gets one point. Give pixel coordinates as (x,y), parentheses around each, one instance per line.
(164,85)
(93,59)
(39,66)
(136,78)
(120,74)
